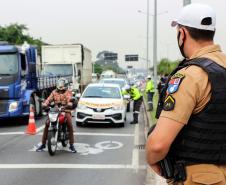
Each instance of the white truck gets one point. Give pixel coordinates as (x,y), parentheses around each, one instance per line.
(108,74)
(73,60)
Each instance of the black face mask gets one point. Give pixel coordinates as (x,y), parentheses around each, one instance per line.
(182,45)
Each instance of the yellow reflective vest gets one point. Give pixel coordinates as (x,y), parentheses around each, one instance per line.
(135,93)
(150,86)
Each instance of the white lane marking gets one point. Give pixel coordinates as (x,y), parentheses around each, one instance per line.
(20,133)
(135,157)
(40,128)
(103,134)
(109,145)
(76,133)
(68,166)
(11,133)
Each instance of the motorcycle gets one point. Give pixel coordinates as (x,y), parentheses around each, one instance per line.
(58,131)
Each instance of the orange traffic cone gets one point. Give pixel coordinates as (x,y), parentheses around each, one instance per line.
(31,128)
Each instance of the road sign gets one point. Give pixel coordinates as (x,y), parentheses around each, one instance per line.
(110,56)
(186,2)
(131,58)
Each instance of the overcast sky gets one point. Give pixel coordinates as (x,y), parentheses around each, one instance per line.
(113,25)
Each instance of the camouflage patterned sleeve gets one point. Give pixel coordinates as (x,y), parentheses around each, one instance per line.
(50,98)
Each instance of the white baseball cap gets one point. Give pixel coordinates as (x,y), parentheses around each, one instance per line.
(195,16)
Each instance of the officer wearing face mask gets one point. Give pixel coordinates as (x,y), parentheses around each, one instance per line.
(191,129)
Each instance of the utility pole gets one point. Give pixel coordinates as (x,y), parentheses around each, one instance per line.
(147,52)
(155,43)
(186,2)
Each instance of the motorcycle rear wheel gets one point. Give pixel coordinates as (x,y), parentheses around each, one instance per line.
(52,146)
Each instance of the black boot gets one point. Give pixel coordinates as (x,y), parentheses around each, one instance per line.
(135,118)
(150,106)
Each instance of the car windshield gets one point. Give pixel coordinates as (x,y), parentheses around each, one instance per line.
(58,69)
(121,83)
(8,64)
(102,92)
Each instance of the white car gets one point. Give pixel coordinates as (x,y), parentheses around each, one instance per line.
(120,81)
(101,103)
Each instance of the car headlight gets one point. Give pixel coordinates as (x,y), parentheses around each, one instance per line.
(82,107)
(13,106)
(117,108)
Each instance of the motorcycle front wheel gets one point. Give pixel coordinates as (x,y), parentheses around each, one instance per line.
(52,144)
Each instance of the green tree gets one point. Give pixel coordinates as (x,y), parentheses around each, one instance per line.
(166,66)
(15,34)
(98,69)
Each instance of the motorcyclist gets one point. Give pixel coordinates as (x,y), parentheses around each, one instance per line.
(63,96)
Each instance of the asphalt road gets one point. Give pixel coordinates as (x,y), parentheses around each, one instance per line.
(106,156)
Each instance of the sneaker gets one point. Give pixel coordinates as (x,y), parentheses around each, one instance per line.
(132,122)
(40,148)
(72,148)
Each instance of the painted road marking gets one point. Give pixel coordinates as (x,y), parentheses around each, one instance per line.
(85,148)
(82,148)
(109,145)
(135,156)
(40,128)
(21,133)
(69,166)
(76,133)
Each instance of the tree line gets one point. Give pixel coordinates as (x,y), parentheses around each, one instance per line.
(15,34)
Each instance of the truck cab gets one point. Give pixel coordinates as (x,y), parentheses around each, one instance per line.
(17,79)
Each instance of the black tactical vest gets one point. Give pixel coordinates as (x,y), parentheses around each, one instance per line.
(203,139)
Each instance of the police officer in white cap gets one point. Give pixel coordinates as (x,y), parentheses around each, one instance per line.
(191,129)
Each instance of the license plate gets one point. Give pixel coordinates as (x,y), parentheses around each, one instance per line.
(98,116)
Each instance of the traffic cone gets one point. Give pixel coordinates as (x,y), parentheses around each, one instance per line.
(31,128)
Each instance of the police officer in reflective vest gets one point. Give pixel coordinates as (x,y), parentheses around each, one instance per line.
(137,97)
(191,129)
(150,90)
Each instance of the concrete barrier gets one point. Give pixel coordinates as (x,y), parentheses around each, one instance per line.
(151,178)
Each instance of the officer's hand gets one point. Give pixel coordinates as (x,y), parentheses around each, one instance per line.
(156,168)
(44,105)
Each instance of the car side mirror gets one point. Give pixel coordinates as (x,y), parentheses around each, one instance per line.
(78,95)
(126,96)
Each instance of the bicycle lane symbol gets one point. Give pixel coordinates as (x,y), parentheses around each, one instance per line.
(109,145)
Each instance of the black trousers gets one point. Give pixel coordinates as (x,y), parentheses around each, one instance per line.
(150,100)
(136,109)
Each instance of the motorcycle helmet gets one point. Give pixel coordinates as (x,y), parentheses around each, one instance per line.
(61,84)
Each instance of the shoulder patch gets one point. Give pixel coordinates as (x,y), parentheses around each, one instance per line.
(169,103)
(178,75)
(174,83)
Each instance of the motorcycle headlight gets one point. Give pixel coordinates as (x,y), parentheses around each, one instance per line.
(13,106)
(82,107)
(53,117)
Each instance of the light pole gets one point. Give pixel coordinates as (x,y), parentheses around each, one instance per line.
(147,54)
(147,38)
(155,43)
